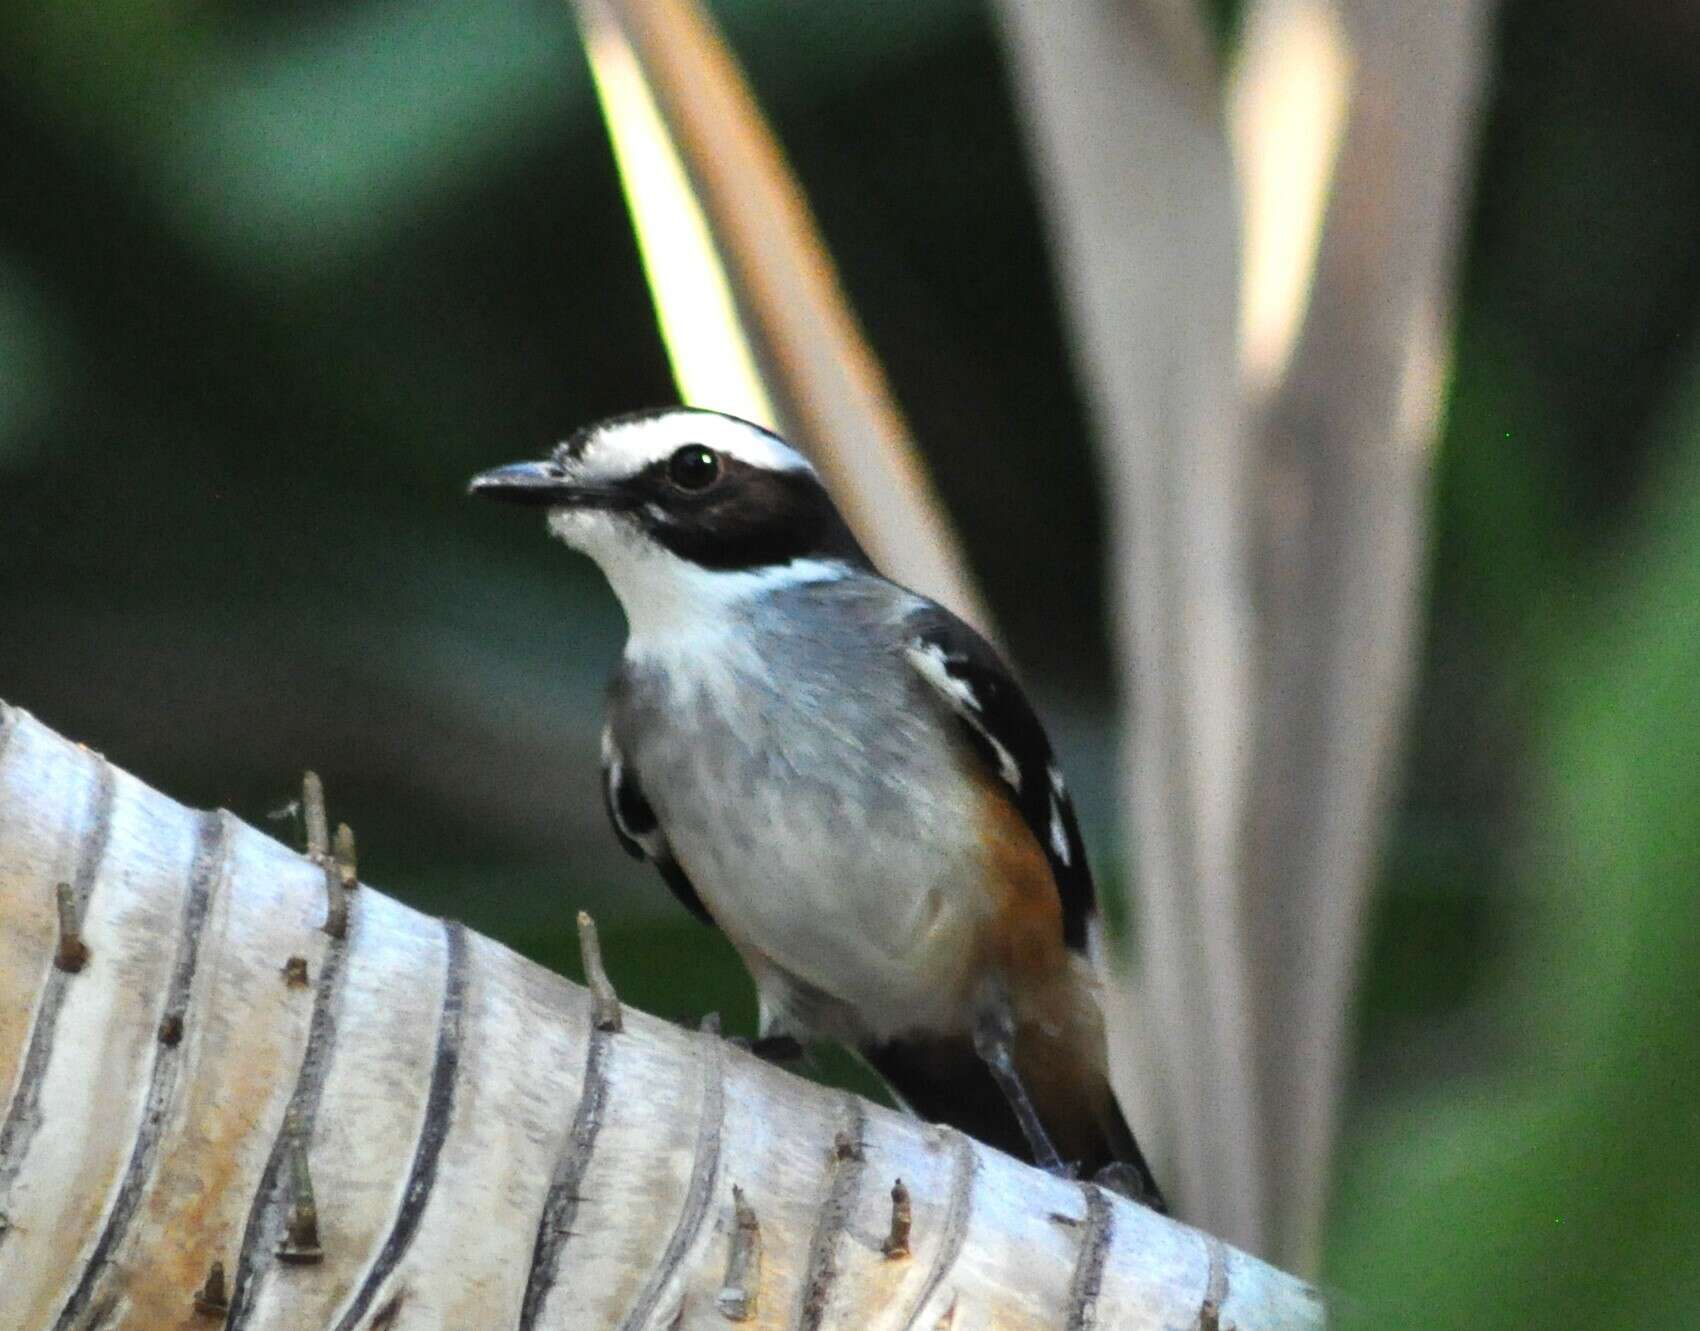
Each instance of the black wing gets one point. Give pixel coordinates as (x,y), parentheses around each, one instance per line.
(967,673)
(638,829)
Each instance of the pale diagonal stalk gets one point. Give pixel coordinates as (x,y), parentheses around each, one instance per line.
(754,317)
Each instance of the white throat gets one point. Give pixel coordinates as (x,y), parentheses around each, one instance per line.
(683,606)
(671,604)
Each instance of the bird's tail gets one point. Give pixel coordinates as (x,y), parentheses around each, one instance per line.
(1060,1056)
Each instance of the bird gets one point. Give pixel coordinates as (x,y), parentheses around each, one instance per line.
(846,779)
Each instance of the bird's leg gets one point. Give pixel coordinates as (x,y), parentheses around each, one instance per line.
(994,1042)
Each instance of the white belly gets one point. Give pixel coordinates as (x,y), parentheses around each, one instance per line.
(879,916)
(833,837)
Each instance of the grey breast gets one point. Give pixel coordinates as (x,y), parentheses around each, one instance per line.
(803,723)
(807,690)
(816,793)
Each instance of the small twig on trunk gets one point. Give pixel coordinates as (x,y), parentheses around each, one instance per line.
(737,1298)
(604,1002)
(73,953)
(313,810)
(902,1217)
(300,1244)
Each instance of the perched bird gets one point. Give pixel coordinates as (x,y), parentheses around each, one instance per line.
(846,779)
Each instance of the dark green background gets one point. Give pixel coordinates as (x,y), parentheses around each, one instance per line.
(274,280)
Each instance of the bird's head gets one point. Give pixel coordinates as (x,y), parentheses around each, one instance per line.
(681,503)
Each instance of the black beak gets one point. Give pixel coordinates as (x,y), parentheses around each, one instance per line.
(542,484)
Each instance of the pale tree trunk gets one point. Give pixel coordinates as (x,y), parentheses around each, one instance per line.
(1267,477)
(483,1149)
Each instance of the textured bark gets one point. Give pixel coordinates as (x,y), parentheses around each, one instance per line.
(482,1150)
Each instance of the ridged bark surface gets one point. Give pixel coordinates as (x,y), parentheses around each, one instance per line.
(480,1154)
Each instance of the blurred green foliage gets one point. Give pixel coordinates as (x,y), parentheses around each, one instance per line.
(274,281)
(1563,1189)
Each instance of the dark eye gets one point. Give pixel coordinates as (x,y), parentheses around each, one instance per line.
(693,467)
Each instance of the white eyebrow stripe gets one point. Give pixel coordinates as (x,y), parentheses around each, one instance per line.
(626,447)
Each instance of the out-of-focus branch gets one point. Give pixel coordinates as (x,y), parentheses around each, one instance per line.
(1131,148)
(1343,477)
(1286,472)
(1287,110)
(707,167)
